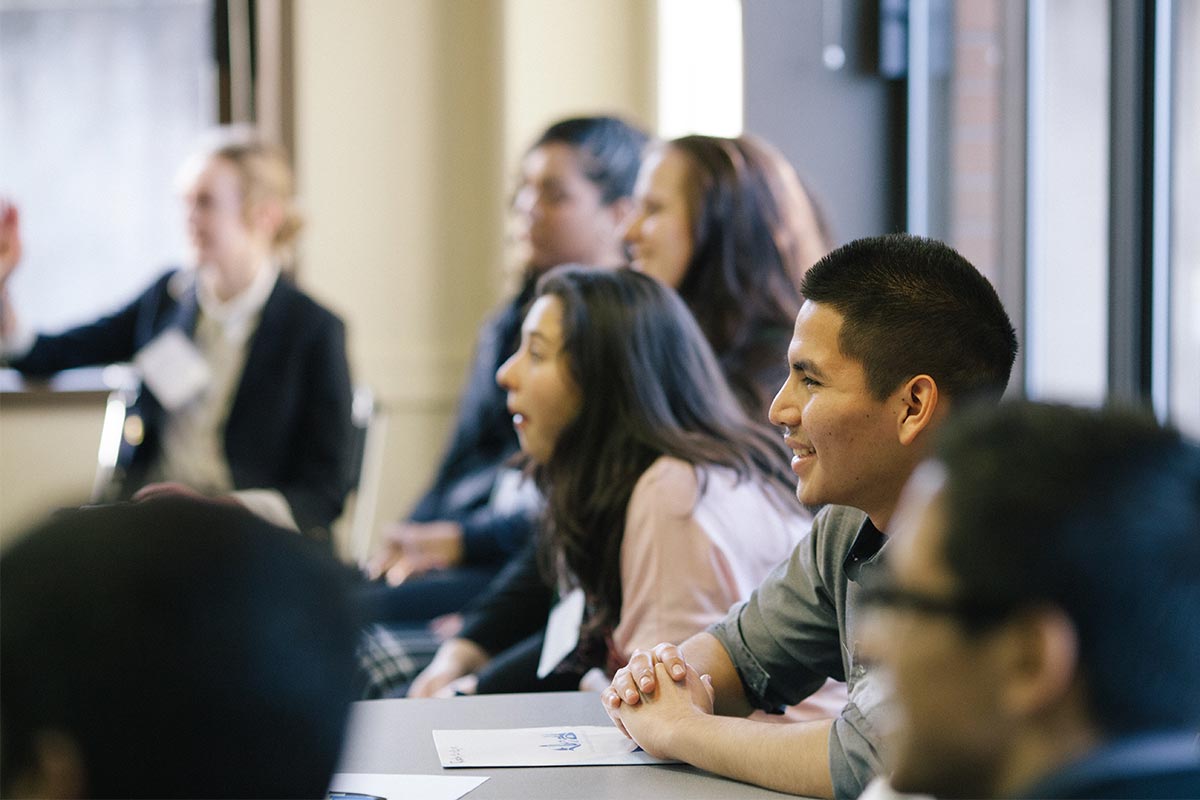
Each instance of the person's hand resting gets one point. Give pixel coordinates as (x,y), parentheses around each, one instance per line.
(456,660)
(674,704)
(411,548)
(638,678)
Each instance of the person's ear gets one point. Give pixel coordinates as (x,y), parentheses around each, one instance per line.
(918,404)
(57,770)
(1042,663)
(266,215)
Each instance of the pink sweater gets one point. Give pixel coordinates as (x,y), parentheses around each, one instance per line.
(686,557)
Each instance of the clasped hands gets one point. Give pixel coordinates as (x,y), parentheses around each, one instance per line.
(655,694)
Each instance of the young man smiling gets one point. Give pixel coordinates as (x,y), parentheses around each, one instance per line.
(895,331)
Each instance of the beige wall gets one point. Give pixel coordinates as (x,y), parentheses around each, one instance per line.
(411,115)
(410,118)
(565,57)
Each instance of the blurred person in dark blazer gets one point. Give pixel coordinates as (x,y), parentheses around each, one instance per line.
(245,389)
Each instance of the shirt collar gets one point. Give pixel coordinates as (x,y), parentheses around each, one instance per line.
(867,545)
(243,306)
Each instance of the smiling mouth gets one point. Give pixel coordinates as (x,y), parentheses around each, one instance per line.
(798,448)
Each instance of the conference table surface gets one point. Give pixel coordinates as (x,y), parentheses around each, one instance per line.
(395,736)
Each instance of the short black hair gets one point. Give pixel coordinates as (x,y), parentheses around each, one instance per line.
(1096,513)
(913,306)
(188,648)
(611,151)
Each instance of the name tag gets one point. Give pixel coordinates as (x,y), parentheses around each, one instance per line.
(562,632)
(173,369)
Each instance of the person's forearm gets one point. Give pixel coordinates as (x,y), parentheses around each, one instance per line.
(706,653)
(790,757)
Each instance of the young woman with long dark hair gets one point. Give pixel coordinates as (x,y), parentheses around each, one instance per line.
(665,502)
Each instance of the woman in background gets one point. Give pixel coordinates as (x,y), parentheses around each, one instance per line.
(245,389)
(571,204)
(665,503)
(727,224)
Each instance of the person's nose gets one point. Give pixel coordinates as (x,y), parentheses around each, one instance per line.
(784,411)
(525,201)
(631,229)
(505,375)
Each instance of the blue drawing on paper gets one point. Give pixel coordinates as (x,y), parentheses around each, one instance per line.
(566,741)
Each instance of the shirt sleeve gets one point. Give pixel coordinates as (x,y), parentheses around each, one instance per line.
(674,579)
(322,474)
(110,339)
(853,753)
(482,437)
(785,640)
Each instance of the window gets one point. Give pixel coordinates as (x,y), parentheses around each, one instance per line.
(1183,324)
(1068,189)
(102,100)
(700,67)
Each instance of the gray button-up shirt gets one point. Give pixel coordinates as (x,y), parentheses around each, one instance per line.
(801,626)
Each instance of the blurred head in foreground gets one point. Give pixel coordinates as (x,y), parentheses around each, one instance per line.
(1042,624)
(172,649)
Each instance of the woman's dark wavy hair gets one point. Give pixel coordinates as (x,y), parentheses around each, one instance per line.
(651,387)
(755,230)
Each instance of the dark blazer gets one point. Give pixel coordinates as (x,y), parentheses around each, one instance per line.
(482,442)
(289,427)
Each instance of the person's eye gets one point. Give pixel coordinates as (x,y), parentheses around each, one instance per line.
(804,377)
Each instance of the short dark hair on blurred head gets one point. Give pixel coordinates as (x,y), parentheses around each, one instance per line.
(913,306)
(1096,513)
(610,151)
(189,649)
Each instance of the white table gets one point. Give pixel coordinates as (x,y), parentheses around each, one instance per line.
(394,736)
